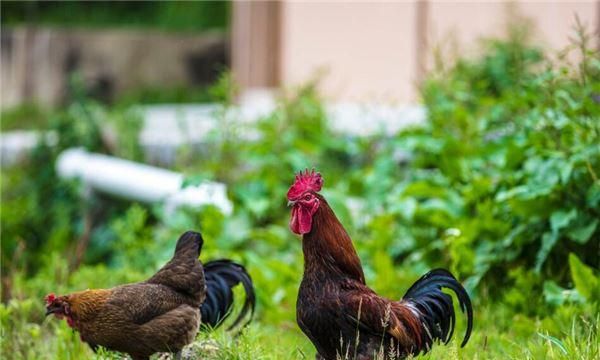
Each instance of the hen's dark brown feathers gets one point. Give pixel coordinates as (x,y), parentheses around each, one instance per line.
(177,328)
(161,314)
(184,273)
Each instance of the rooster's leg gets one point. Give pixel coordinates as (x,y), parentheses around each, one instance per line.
(177,355)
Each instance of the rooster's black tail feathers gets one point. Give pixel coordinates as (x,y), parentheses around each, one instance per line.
(436,309)
(221,277)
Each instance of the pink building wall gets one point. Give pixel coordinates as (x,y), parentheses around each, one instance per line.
(378,51)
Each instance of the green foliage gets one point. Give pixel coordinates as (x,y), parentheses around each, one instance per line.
(167,15)
(173,95)
(49,214)
(518,142)
(586,282)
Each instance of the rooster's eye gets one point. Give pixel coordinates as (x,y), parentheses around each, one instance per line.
(307,197)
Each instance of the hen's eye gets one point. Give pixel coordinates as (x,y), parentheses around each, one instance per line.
(307,197)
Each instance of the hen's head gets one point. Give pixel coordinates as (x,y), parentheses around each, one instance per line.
(59,306)
(302,196)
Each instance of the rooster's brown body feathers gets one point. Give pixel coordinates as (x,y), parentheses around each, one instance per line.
(345,319)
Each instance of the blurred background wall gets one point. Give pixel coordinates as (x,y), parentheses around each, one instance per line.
(36,62)
(378,51)
(116,47)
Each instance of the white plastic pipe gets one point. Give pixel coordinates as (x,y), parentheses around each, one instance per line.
(139,182)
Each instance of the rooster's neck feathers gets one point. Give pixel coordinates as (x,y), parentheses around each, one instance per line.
(328,246)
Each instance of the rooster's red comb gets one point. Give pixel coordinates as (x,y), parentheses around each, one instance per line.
(50,298)
(305,181)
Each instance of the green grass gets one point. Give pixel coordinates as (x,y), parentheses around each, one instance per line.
(501,331)
(495,337)
(570,333)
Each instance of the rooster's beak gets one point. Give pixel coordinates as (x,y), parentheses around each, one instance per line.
(49,311)
(291,203)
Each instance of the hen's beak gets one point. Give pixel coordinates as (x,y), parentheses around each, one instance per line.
(291,203)
(49,311)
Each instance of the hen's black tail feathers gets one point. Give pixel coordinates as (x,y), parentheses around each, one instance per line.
(221,276)
(436,308)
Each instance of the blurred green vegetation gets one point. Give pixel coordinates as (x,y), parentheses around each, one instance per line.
(500,185)
(31,116)
(26,116)
(517,157)
(164,15)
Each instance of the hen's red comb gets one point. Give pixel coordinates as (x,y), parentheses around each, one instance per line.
(305,181)
(50,298)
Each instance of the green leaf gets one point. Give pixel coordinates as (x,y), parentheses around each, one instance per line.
(556,295)
(543,172)
(406,207)
(593,195)
(507,242)
(565,172)
(511,193)
(582,234)
(554,341)
(193,180)
(548,241)
(560,219)
(586,282)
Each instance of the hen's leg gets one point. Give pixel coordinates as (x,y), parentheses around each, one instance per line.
(177,355)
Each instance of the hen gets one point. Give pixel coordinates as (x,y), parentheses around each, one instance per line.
(340,314)
(161,314)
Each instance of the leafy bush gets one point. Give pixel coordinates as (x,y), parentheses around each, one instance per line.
(517,141)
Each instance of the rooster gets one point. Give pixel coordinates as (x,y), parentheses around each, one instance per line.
(340,314)
(161,314)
